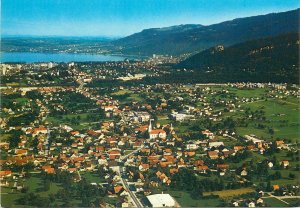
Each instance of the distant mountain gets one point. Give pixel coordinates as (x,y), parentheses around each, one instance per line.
(268,59)
(190,38)
(142,42)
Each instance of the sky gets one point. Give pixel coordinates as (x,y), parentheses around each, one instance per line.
(118,18)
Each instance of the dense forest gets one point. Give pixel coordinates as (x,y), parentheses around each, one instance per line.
(273,59)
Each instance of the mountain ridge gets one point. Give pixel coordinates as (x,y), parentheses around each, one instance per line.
(148,42)
(262,58)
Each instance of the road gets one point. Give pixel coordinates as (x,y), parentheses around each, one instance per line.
(123,158)
(46,143)
(132,195)
(280,198)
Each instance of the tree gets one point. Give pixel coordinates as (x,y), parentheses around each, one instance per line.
(14,139)
(271,131)
(34,95)
(269,187)
(291,175)
(52,197)
(46,185)
(35,143)
(277,175)
(197,193)
(24,190)
(98,201)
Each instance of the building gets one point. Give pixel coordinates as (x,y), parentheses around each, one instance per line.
(39,130)
(255,140)
(215,144)
(192,146)
(213,155)
(181,116)
(142,116)
(5,173)
(284,163)
(157,133)
(208,133)
(161,200)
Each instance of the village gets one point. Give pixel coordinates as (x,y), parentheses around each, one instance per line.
(145,145)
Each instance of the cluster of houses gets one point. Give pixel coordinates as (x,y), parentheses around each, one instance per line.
(148,146)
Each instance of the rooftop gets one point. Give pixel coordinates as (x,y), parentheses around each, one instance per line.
(161,200)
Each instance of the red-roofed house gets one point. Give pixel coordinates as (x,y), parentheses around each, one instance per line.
(142,128)
(157,133)
(143,167)
(114,154)
(21,152)
(198,162)
(5,173)
(222,166)
(117,189)
(39,130)
(208,133)
(72,170)
(48,169)
(213,155)
(284,163)
(173,170)
(202,168)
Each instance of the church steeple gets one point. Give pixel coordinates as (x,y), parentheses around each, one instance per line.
(150,126)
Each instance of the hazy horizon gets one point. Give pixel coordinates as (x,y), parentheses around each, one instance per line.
(115,19)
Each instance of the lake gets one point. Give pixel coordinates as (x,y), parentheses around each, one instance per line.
(56,57)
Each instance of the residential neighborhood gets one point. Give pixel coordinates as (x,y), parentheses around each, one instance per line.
(143,145)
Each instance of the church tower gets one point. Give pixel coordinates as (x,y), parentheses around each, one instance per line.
(150,126)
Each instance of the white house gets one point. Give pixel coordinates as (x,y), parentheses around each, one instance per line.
(270,164)
(192,146)
(251,204)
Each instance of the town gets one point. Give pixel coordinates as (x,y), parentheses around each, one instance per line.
(105,134)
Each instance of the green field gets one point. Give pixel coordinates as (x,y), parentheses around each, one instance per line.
(283,116)
(4,137)
(92,178)
(247,93)
(230,193)
(127,96)
(273,202)
(185,200)
(111,200)
(22,100)
(163,119)
(34,185)
(83,121)
(8,199)
(293,202)
(122,92)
